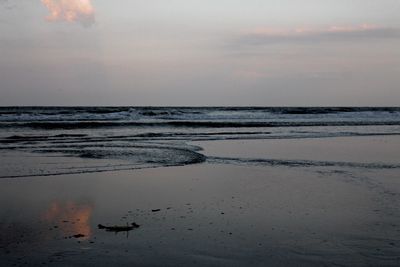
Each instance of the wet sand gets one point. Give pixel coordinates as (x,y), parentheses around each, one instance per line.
(212,214)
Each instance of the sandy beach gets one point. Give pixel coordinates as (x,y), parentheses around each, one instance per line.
(213,213)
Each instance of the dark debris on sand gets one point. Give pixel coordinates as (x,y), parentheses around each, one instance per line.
(117,228)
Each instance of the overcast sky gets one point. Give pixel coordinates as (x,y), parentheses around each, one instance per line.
(200,52)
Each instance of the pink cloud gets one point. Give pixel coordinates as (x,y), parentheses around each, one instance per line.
(265,31)
(268,35)
(80,11)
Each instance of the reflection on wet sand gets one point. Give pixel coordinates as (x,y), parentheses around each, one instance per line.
(70,218)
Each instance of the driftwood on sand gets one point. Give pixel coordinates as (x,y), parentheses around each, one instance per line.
(117,228)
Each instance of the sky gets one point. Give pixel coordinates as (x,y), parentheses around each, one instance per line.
(200,52)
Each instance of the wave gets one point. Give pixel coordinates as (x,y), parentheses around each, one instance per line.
(299,163)
(27,114)
(138,154)
(114,158)
(191,124)
(39,138)
(82,140)
(141,157)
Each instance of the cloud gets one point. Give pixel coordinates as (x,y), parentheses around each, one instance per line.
(7,4)
(80,11)
(265,36)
